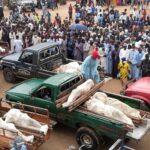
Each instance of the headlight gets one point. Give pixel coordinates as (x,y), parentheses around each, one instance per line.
(1,61)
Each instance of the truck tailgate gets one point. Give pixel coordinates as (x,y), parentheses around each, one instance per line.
(139,132)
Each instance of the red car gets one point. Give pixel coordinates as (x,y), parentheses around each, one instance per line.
(140,90)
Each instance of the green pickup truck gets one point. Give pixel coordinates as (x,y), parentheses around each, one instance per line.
(90,127)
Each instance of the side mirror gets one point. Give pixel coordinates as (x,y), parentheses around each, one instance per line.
(21,60)
(32,98)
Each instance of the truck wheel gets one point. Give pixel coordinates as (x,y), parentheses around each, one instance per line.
(9,75)
(86,136)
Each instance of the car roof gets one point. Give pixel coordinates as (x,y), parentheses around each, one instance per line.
(60,79)
(41,46)
(142,84)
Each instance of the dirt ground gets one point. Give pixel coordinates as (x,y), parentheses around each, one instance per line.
(62,136)
(63,10)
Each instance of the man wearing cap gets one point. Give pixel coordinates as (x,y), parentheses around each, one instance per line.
(89,67)
(124,53)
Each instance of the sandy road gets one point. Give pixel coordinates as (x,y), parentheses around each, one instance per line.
(63,10)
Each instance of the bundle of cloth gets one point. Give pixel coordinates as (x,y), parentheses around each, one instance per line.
(11,130)
(23,120)
(72,67)
(2,49)
(79,91)
(100,103)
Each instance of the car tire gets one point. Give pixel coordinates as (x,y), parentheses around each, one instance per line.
(86,136)
(9,75)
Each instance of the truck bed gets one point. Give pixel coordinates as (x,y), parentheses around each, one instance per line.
(142,124)
(38,114)
(141,128)
(84,110)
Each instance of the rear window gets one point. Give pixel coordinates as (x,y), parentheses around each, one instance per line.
(67,87)
(47,53)
(69,84)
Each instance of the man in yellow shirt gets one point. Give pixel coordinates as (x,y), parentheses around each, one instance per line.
(124,70)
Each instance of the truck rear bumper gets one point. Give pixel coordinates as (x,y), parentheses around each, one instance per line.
(139,132)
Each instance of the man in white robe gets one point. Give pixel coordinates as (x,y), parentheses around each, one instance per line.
(18,45)
(12,39)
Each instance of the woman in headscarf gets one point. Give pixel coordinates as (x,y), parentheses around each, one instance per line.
(124,69)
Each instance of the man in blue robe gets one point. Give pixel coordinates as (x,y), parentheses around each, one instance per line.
(89,67)
(136,62)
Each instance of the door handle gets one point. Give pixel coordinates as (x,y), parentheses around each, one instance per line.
(29,68)
(47,106)
(13,67)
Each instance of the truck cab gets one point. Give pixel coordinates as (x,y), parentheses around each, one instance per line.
(44,93)
(37,61)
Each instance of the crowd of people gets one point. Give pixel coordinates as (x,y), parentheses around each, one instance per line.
(121,38)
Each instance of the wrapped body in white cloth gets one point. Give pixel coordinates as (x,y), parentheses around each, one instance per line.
(72,67)
(127,110)
(99,107)
(102,104)
(10,128)
(80,90)
(22,119)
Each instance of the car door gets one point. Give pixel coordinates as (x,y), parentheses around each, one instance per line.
(44,100)
(25,68)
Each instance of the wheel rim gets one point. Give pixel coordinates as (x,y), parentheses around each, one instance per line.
(86,140)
